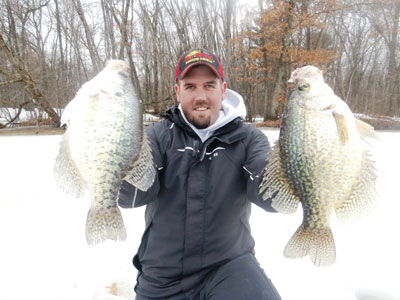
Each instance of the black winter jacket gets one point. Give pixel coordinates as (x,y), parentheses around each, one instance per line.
(198,209)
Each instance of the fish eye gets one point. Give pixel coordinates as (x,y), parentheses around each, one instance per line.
(304,87)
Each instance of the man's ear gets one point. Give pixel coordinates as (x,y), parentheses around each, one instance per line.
(176,87)
(224,87)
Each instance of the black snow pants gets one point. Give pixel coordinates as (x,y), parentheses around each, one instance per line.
(240,279)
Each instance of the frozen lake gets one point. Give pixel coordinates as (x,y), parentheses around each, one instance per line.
(44,254)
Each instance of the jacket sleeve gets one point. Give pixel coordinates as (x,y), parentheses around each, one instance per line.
(129,196)
(258,149)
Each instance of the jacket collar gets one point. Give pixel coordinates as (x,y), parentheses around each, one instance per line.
(229,133)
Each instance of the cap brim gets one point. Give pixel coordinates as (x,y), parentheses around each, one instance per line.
(184,73)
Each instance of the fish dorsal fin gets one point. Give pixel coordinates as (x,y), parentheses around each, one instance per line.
(366,130)
(363,197)
(342,126)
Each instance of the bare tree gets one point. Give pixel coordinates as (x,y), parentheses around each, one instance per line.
(37,97)
(51,47)
(89,36)
(385,16)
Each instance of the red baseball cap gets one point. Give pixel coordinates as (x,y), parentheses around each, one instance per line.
(198,57)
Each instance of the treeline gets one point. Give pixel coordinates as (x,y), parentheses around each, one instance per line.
(48,48)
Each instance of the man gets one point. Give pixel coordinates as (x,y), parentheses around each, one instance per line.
(197,242)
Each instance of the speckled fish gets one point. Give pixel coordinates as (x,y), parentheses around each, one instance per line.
(104,144)
(320,160)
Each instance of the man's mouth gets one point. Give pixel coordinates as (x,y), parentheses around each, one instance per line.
(202,108)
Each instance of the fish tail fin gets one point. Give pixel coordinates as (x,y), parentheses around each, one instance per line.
(104,223)
(316,243)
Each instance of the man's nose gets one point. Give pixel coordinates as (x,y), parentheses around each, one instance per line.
(200,94)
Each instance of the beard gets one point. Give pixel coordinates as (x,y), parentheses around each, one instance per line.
(201,123)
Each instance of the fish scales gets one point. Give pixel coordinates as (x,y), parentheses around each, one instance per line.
(319,161)
(103,166)
(313,156)
(113,131)
(103,143)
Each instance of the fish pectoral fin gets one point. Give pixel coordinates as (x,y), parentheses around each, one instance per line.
(342,126)
(65,172)
(317,243)
(366,130)
(363,196)
(274,185)
(143,171)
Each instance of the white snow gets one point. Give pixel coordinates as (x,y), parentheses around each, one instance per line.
(44,255)
(7,113)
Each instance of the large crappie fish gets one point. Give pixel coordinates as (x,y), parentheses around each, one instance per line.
(104,144)
(322,161)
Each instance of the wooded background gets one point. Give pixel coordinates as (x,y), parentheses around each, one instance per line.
(49,48)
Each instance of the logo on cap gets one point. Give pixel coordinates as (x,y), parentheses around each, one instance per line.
(198,57)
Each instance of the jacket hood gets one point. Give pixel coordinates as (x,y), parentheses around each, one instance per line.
(232,107)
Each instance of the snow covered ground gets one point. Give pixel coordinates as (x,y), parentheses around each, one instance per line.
(44,255)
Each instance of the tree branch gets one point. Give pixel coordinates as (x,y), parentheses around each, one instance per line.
(38,97)
(10,81)
(9,75)
(16,115)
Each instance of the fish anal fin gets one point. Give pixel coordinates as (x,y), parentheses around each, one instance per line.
(363,196)
(317,243)
(342,126)
(65,172)
(274,184)
(143,172)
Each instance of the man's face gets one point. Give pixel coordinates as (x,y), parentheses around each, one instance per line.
(200,94)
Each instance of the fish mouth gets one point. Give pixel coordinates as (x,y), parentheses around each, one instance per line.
(330,107)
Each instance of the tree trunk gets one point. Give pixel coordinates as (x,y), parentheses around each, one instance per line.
(88,34)
(122,25)
(393,75)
